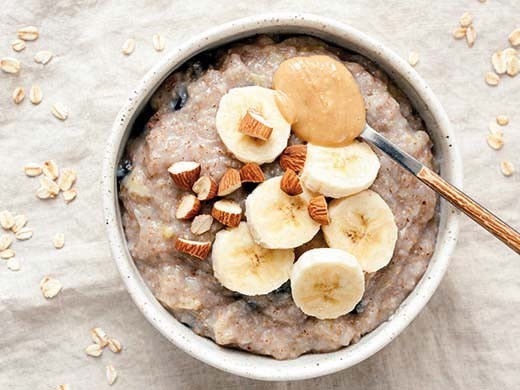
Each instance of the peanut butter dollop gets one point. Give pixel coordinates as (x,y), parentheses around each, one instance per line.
(320,98)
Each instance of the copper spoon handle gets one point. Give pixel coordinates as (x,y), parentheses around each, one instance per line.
(475,211)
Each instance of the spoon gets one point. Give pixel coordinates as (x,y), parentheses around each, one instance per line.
(456,197)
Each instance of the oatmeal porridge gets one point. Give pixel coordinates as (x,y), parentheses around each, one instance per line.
(199,200)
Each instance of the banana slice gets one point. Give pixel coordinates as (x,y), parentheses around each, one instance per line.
(327,283)
(363,225)
(339,172)
(241,265)
(278,220)
(234,106)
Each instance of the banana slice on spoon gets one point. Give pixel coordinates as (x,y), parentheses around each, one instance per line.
(327,283)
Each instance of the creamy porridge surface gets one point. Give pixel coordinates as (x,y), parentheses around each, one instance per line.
(183,128)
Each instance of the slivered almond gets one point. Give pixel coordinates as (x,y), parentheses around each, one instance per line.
(293,157)
(229,183)
(10,65)
(254,125)
(18,45)
(59,111)
(188,207)
(185,173)
(99,336)
(201,224)
(251,173)
(29,33)
(18,95)
(514,37)
(318,210)
(492,79)
(114,345)
(498,60)
(198,249)
(471,35)
(32,169)
(227,212)
(111,374)
(290,183)
(205,187)
(50,169)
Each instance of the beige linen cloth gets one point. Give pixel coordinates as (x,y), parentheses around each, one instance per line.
(468,337)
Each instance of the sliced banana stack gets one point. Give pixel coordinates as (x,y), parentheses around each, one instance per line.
(243,266)
(364,226)
(327,283)
(339,172)
(277,220)
(249,104)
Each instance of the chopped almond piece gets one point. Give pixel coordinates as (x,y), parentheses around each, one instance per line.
(188,207)
(185,174)
(201,224)
(318,210)
(290,183)
(229,183)
(254,125)
(293,157)
(205,188)
(227,212)
(252,173)
(196,249)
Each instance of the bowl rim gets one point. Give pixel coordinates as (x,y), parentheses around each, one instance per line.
(239,362)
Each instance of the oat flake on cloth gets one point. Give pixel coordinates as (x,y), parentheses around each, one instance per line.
(468,335)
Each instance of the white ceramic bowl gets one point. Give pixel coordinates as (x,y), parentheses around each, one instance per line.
(311,365)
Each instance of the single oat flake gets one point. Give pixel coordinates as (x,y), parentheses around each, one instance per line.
(32,169)
(43,193)
(6,219)
(58,240)
(459,32)
(29,33)
(24,234)
(66,179)
(498,60)
(63,387)
(512,66)
(502,120)
(471,35)
(128,47)
(10,65)
(59,111)
(50,169)
(413,58)
(18,45)
(492,79)
(514,37)
(50,185)
(7,254)
(35,94)
(466,19)
(158,42)
(111,374)
(18,95)
(114,345)
(20,221)
(495,141)
(94,350)
(43,57)
(50,287)
(13,264)
(70,195)
(507,168)
(5,241)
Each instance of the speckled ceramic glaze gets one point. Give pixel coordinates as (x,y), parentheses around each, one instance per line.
(311,365)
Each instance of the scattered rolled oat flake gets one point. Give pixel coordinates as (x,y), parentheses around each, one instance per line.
(32,169)
(20,221)
(114,345)
(466,19)
(471,35)
(128,47)
(6,254)
(492,78)
(43,57)
(10,65)
(50,169)
(512,66)
(50,185)
(498,60)
(35,94)
(413,58)
(502,120)
(94,350)
(59,111)
(158,42)
(514,37)
(29,33)
(70,195)
(459,32)
(13,264)
(507,168)
(63,387)
(24,234)
(99,336)
(510,51)
(6,219)
(18,45)
(5,241)
(43,193)
(111,374)
(495,141)
(66,179)
(18,95)
(58,240)
(50,287)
